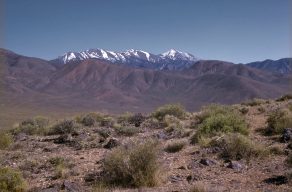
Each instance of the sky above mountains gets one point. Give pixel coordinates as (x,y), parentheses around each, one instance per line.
(240,31)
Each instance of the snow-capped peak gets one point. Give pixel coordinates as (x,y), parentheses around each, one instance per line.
(174,54)
(170,60)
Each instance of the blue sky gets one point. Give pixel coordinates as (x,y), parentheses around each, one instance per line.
(231,30)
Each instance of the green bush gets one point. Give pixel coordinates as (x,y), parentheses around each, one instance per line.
(171,109)
(134,166)
(5,140)
(11,181)
(175,146)
(36,126)
(236,146)
(278,121)
(218,119)
(64,127)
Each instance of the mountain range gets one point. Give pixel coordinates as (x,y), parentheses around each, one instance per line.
(137,81)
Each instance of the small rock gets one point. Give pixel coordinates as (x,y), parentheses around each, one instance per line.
(208,162)
(182,167)
(235,165)
(287,135)
(175,178)
(111,143)
(277,180)
(69,186)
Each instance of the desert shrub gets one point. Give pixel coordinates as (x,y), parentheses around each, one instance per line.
(36,126)
(175,126)
(289,106)
(254,102)
(107,122)
(126,130)
(5,140)
(236,146)
(278,121)
(285,97)
(152,123)
(104,132)
(124,118)
(170,109)
(60,167)
(175,146)
(136,119)
(261,109)
(11,181)
(218,119)
(244,110)
(88,120)
(64,127)
(133,166)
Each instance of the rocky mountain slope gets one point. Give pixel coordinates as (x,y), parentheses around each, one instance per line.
(43,87)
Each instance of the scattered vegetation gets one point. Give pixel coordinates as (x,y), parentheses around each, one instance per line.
(278,121)
(175,110)
(134,166)
(175,146)
(11,180)
(5,140)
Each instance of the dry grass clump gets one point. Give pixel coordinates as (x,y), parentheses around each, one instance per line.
(133,166)
(175,126)
(278,121)
(175,146)
(11,180)
(175,110)
(199,187)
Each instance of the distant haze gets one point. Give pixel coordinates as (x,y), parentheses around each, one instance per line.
(239,31)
